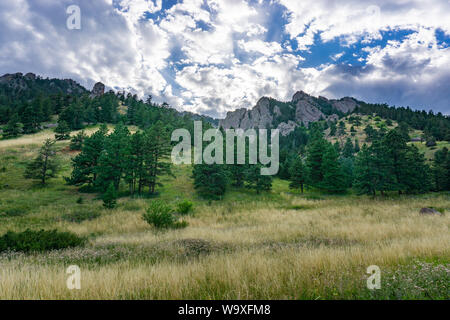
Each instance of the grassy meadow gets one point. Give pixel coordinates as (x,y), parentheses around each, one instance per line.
(277,245)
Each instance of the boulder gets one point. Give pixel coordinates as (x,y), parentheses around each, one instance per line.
(430,211)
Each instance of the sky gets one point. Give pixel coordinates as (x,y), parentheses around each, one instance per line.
(215,56)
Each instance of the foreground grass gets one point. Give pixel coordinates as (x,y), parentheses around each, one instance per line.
(279,245)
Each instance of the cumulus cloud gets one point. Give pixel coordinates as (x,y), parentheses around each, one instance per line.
(213,56)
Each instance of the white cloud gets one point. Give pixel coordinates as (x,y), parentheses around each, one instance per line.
(213,56)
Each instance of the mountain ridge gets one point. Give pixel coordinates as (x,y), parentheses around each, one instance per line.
(303,109)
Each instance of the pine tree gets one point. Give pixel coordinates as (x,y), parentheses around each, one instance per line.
(13,128)
(134,171)
(298,174)
(62,131)
(210,181)
(373,169)
(314,153)
(396,149)
(254,179)
(334,179)
(418,175)
(45,165)
(357,148)
(348,150)
(30,120)
(441,170)
(110,197)
(76,143)
(111,164)
(85,164)
(157,151)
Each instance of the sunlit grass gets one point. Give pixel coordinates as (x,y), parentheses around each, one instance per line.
(277,245)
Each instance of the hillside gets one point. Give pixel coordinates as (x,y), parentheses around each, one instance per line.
(276,245)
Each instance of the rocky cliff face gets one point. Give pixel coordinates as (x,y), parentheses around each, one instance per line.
(19,82)
(303,108)
(98,90)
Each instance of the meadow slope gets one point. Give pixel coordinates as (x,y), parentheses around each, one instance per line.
(277,245)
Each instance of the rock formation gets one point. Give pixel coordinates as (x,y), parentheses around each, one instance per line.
(303,108)
(98,90)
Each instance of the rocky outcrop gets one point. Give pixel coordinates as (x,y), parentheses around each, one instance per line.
(344,105)
(429,211)
(307,109)
(98,90)
(259,117)
(306,112)
(287,128)
(18,81)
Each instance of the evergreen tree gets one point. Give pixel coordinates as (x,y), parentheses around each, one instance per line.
(348,150)
(62,131)
(157,151)
(45,165)
(76,143)
(13,128)
(297,174)
(418,175)
(254,179)
(111,164)
(441,170)
(315,150)
(30,120)
(85,164)
(357,148)
(334,179)
(110,197)
(134,171)
(210,181)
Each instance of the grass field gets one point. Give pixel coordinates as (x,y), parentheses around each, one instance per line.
(278,245)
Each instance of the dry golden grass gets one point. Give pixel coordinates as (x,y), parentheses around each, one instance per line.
(272,252)
(272,246)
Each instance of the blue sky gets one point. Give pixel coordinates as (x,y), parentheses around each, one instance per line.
(214,56)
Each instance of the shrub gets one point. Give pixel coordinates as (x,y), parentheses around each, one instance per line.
(80,200)
(110,196)
(39,241)
(81,215)
(185,207)
(160,215)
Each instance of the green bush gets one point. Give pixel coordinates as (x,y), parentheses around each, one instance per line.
(185,207)
(160,215)
(39,241)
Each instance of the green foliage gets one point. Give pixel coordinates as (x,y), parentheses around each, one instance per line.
(161,216)
(210,181)
(255,180)
(110,197)
(185,207)
(348,150)
(441,170)
(62,131)
(76,143)
(45,165)
(13,128)
(39,241)
(334,179)
(391,165)
(298,174)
